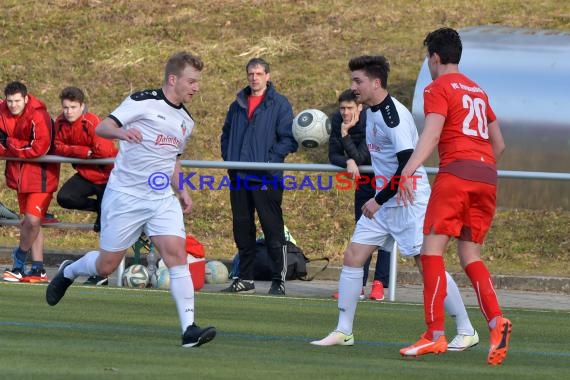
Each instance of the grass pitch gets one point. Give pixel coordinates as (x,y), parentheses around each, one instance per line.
(122,333)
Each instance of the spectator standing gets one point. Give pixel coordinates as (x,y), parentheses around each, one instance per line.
(258,128)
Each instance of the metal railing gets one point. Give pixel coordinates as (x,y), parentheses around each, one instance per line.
(290,166)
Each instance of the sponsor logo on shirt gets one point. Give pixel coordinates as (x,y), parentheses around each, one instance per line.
(167,140)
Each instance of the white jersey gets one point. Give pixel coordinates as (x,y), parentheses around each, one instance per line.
(165,129)
(390,129)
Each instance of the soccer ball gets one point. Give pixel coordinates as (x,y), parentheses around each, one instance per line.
(311,128)
(216,272)
(161,279)
(135,276)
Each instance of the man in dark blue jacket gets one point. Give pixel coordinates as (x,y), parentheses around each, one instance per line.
(258,128)
(348,149)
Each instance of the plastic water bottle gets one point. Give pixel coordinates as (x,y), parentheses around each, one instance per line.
(151,260)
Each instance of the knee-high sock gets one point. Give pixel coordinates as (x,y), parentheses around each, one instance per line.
(483,285)
(435,285)
(85,266)
(455,308)
(182,290)
(349,288)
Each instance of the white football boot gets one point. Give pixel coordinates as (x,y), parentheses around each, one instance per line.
(461,342)
(336,338)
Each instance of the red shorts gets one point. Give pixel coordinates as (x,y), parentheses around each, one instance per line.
(34,203)
(460,208)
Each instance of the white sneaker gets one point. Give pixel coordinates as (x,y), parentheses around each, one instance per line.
(461,342)
(336,338)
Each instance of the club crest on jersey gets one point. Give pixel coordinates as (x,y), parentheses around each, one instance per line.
(183,127)
(167,140)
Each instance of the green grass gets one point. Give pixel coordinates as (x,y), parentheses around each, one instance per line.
(121,333)
(111,48)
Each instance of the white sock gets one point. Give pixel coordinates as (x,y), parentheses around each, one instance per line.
(349,288)
(456,309)
(182,290)
(85,266)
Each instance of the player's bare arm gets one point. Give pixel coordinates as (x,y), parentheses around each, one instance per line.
(426,144)
(109,129)
(496,138)
(183,195)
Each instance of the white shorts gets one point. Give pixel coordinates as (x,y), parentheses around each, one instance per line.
(402,224)
(388,245)
(124,217)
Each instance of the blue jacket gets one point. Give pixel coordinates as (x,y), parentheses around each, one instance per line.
(268,137)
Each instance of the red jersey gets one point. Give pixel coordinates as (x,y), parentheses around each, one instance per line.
(77,139)
(465,134)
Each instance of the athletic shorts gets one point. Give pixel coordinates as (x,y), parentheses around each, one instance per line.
(460,208)
(124,217)
(34,203)
(402,224)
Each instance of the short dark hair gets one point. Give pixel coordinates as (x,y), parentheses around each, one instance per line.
(258,62)
(15,87)
(446,43)
(347,96)
(72,93)
(178,62)
(375,66)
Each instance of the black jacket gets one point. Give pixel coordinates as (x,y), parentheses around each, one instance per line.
(341,149)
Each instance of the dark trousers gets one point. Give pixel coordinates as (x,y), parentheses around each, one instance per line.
(267,203)
(76,193)
(382,271)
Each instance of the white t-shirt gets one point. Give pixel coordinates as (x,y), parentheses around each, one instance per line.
(390,129)
(165,130)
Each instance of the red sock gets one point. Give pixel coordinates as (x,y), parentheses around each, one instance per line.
(435,290)
(483,285)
